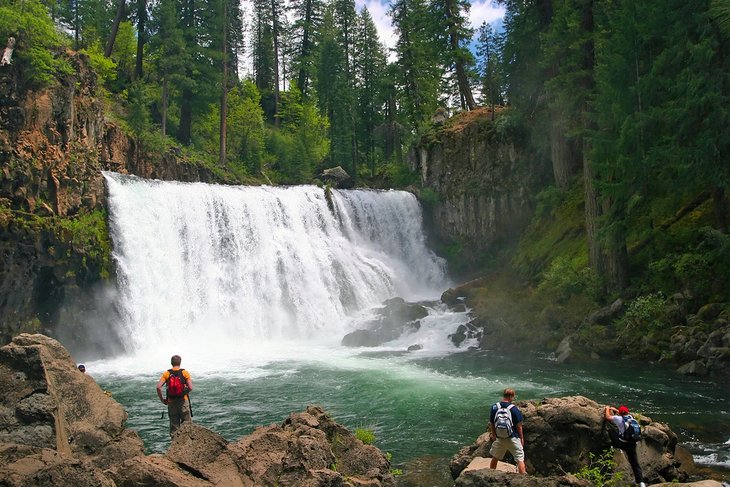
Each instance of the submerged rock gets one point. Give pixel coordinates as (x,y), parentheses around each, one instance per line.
(393,320)
(57,427)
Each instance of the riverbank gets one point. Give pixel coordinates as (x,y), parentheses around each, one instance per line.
(380,405)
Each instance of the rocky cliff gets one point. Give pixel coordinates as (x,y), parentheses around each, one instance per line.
(480,186)
(54,144)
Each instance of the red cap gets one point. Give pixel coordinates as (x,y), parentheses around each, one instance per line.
(623,410)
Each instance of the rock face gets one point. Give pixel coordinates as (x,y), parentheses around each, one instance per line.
(57,427)
(561,433)
(484,185)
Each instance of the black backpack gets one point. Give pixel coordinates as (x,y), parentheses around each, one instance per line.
(176,384)
(632,429)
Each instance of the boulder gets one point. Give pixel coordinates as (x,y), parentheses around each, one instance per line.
(562,433)
(337,176)
(695,367)
(606,315)
(488,478)
(393,320)
(56,422)
(464,332)
(309,449)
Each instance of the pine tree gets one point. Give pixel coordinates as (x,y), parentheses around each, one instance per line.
(307,20)
(489,49)
(418,76)
(335,97)
(457,58)
(370,68)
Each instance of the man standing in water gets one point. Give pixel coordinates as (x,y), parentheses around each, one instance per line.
(618,441)
(505,431)
(179,384)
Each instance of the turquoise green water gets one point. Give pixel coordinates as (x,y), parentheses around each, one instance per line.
(423,410)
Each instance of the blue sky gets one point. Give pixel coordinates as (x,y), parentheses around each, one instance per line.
(481,11)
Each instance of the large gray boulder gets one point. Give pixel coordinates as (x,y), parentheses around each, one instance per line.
(56,422)
(562,433)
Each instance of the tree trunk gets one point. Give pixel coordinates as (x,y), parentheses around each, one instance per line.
(224,89)
(76,24)
(461,77)
(141,36)
(184,131)
(561,151)
(303,78)
(115,28)
(592,212)
(275,35)
(164,105)
(722,208)
(617,256)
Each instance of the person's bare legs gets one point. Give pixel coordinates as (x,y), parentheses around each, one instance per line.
(493,463)
(521,466)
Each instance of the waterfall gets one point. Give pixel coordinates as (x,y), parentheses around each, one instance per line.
(238,265)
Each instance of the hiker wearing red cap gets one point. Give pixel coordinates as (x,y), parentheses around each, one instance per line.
(625,436)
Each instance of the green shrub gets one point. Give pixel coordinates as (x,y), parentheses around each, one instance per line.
(429,197)
(104,67)
(566,277)
(367,436)
(600,470)
(644,313)
(400,175)
(548,200)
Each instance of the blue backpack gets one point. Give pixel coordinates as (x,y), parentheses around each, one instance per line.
(632,429)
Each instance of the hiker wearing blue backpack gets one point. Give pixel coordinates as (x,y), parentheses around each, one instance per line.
(625,437)
(178,384)
(505,431)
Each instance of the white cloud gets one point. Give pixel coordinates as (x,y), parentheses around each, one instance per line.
(484,11)
(481,11)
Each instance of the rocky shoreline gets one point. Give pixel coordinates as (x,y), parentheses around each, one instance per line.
(58,427)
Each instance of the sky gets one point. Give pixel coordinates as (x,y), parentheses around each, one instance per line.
(481,11)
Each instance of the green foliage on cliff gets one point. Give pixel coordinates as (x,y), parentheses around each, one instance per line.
(79,244)
(86,236)
(552,251)
(37,42)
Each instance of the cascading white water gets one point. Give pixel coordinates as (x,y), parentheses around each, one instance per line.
(235,266)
